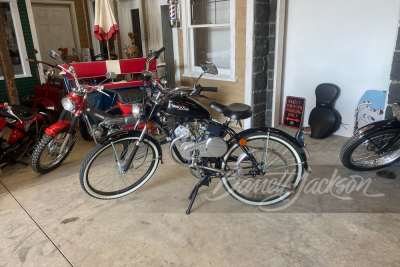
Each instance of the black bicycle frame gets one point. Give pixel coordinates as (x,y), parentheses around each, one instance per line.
(225,130)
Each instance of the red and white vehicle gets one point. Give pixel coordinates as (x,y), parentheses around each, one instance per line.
(59,139)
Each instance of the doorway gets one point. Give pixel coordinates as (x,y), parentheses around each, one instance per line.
(136,29)
(130,19)
(54,28)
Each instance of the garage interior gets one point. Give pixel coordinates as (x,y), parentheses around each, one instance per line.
(277,49)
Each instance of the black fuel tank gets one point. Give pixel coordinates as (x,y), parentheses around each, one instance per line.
(187,107)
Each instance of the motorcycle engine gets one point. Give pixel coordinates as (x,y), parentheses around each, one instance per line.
(200,144)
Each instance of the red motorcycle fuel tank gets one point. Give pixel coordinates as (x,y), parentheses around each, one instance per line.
(186,107)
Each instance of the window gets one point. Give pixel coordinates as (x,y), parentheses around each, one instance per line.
(15,39)
(209,35)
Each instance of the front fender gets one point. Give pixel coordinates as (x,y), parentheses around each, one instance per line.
(58,126)
(265,129)
(128,133)
(377,126)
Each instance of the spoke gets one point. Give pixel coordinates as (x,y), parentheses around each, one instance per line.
(285,166)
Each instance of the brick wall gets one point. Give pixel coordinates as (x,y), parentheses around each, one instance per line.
(394,88)
(263,62)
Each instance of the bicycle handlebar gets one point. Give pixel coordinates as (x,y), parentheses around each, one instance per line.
(209,89)
(157,53)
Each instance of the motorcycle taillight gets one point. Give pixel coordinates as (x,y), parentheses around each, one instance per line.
(26,125)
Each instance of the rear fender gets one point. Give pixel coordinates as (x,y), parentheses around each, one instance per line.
(16,134)
(296,141)
(39,117)
(128,133)
(378,126)
(45,117)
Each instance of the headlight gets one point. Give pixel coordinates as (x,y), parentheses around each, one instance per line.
(136,109)
(396,110)
(67,103)
(48,72)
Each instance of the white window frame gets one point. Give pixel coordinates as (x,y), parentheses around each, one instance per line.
(190,70)
(20,39)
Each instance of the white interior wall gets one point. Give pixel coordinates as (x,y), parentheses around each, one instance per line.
(347,43)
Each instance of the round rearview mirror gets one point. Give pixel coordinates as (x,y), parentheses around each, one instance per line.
(209,67)
(53,54)
(111,75)
(163,81)
(146,75)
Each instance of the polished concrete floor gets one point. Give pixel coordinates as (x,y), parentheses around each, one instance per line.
(48,220)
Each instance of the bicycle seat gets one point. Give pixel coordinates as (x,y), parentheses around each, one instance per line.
(236,111)
(23,113)
(130,96)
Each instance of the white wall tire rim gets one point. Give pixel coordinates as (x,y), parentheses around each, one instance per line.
(298,179)
(156,160)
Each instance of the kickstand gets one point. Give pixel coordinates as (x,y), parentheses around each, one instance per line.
(205,180)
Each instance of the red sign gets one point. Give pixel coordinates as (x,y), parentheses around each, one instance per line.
(294,109)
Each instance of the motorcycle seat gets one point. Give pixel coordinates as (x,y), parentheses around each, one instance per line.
(236,111)
(129,96)
(23,113)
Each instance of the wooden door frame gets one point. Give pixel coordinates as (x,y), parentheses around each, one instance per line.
(72,11)
(122,3)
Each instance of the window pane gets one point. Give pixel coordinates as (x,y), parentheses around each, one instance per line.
(210,11)
(11,39)
(212,44)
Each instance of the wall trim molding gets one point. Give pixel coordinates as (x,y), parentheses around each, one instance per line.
(278,68)
(248,84)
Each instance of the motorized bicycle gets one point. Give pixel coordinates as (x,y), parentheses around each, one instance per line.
(26,126)
(47,97)
(60,137)
(245,162)
(375,145)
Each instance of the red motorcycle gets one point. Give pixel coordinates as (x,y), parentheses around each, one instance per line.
(59,139)
(26,126)
(47,97)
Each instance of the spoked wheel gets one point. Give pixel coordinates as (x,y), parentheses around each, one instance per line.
(47,156)
(280,162)
(102,174)
(365,154)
